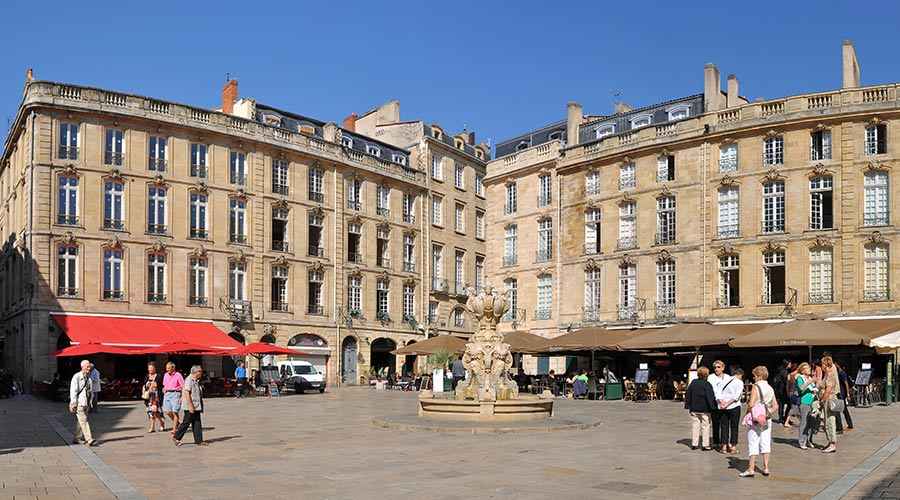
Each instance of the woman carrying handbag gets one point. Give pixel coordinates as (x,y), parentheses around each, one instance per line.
(763,405)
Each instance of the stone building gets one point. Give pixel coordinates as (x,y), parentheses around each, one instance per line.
(702,207)
(276,226)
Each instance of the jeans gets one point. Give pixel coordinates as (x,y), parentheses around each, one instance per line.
(808,426)
(699,429)
(716,416)
(193,421)
(729,423)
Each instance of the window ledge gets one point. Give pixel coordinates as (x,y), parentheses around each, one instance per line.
(208,240)
(728,307)
(115,301)
(876,226)
(441,226)
(778,304)
(482,196)
(875,301)
(457,231)
(199,306)
(159,235)
(70,226)
(114,230)
(70,297)
(460,188)
(776,233)
(823,230)
(830,303)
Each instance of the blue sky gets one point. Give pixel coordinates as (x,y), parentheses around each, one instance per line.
(499,68)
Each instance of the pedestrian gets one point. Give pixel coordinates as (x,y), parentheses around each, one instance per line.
(844,395)
(759,434)
(173,383)
(730,406)
(780,384)
(240,378)
(80,399)
(458,369)
(192,402)
(806,390)
(700,400)
(152,395)
(832,406)
(95,388)
(718,379)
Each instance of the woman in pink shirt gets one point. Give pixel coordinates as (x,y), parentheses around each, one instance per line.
(173,383)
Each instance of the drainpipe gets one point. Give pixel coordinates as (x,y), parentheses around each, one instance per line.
(334,235)
(29,247)
(559,251)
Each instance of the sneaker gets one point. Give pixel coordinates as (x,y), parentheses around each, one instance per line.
(92,442)
(804,447)
(830,449)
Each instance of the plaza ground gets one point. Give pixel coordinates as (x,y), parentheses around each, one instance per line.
(325,446)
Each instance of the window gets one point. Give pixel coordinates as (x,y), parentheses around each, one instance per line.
(592,231)
(820,203)
(512,298)
(773,278)
(157,154)
(544,190)
(592,183)
(627,234)
(605,130)
(592,294)
(665,220)
(198,215)
(197,290)
(198,160)
(627,291)
(316,279)
(382,247)
(156,278)
(315,185)
(437,210)
(729,212)
(641,121)
(398,159)
(347,142)
(433,308)
(113,205)
(354,194)
(237,221)
(437,261)
(665,289)
(459,219)
(459,176)
(820,145)
(729,281)
(67,208)
(409,208)
(279,290)
(511,199)
(510,245)
(68,141)
(679,112)
(458,318)
(280,177)
(115,152)
(67,271)
(382,299)
(383,201)
(627,177)
(876,139)
(237,282)
(354,295)
(409,253)
(156,210)
(876,199)
(237,170)
(479,273)
(409,302)
(773,150)
(280,229)
(665,168)
(545,240)
(479,224)
(876,273)
(728,157)
(354,242)
(437,168)
(459,262)
(315,229)
(820,276)
(544,297)
(773,207)
(112,274)
(373,150)
(479,184)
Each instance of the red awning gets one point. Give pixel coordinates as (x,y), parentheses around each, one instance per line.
(263,349)
(139,333)
(92,348)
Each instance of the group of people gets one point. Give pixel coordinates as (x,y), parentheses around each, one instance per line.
(714,403)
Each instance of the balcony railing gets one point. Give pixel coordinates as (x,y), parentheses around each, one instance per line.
(409,267)
(354,257)
(409,219)
(826,297)
(156,298)
(240,239)
(626,243)
(67,292)
(459,288)
(509,209)
(876,220)
(383,262)
(514,315)
(68,153)
(383,316)
(316,197)
(280,306)
(665,310)
(157,228)
(113,294)
(542,313)
(114,224)
(315,251)
(383,212)
(315,310)
(198,301)
(626,312)
(280,246)
(113,158)
(509,260)
(199,234)
(590,314)
(665,238)
(729,231)
(156,164)
(543,201)
(876,295)
(592,249)
(773,226)
(237,310)
(238,179)
(354,205)
(198,171)
(281,189)
(627,183)
(67,220)
(543,255)
(591,190)
(728,164)
(439,285)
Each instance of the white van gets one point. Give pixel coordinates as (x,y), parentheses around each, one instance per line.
(301,375)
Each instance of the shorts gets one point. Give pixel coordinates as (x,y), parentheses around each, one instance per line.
(759,439)
(172,402)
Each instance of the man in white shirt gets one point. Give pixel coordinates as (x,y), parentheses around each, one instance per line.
(718,379)
(80,397)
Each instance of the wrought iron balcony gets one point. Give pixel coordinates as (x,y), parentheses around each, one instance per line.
(593,249)
(280,306)
(825,297)
(156,298)
(157,228)
(626,183)
(354,257)
(113,294)
(729,231)
(238,238)
(773,226)
(409,267)
(626,243)
(875,295)
(383,211)
(114,224)
(315,310)
(543,201)
(113,158)
(281,189)
(665,310)
(238,179)
(514,315)
(280,246)
(198,301)
(68,153)
(198,171)
(410,321)
(665,238)
(627,312)
(199,234)
(383,262)
(543,255)
(439,285)
(156,164)
(383,316)
(509,260)
(237,310)
(315,251)
(354,205)
(590,314)
(67,220)
(542,313)
(728,164)
(409,219)
(316,196)
(876,220)
(459,289)
(67,292)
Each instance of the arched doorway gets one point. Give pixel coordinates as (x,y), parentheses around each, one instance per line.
(311,348)
(382,362)
(409,364)
(349,358)
(229,363)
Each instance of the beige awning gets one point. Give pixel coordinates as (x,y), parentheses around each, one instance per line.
(521,341)
(690,335)
(433,345)
(805,332)
(593,339)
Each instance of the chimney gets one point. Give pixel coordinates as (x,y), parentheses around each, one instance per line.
(349,123)
(622,107)
(29,76)
(574,117)
(850,66)
(229,95)
(712,88)
(733,92)
(470,138)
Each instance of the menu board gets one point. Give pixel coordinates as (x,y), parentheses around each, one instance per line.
(641,376)
(863,376)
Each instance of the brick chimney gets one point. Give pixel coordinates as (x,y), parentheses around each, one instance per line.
(734,96)
(470,138)
(29,76)
(712,88)
(349,123)
(229,95)
(574,117)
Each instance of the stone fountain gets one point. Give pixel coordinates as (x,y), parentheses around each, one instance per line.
(488,393)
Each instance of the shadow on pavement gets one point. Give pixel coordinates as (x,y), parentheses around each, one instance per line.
(13,450)
(888,487)
(738,464)
(223,438)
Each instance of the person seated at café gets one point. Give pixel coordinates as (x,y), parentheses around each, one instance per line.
(579,385)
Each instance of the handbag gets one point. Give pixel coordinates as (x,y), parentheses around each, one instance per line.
(836,405)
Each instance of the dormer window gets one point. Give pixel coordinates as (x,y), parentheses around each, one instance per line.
(605,130)
(347,142)
(479,154)
(459,144)
(522,145)
(373,150)
(641,121)
(555,136)
(437,133)
(399,159)
(679,112)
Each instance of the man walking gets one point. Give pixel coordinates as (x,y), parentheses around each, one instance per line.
(240,378)
(95,387)
(192,402)
(458,370)
(80,397)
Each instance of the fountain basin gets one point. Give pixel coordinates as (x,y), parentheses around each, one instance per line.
(523,409)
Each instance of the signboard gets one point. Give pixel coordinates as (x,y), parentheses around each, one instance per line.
(641,376)
(863,376)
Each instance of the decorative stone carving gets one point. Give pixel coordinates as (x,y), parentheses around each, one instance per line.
(240,193)
(68,239)
(315,267)
(113,244)
(624,199)
(199,252)
(772,246)
(772,133)
(269,329)
(665,192)
(726,249)
(591,264)
(158,180)
(727,180)
(772,175)
(818,170)
(626,260)
(114,175)
(70,170)
(158,247)
(200,188)
(280,204)
(821,242)
(875,165)
(875,238)
(239,256)
(280,261)
(664,256)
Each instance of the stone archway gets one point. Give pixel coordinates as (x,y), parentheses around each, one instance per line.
(381,361)
(312,348)
(409,363)
(349,361)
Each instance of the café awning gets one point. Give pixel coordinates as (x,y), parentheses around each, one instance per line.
(522,341)
(690,336)
(806,332)
(433,345)
(141,333)
(593,339)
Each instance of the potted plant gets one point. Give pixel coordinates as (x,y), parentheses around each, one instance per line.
(438,363)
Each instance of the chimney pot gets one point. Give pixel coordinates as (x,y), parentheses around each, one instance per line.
(349,122)
(29,75)
(229,96)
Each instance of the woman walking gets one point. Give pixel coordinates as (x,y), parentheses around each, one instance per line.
(730,404)
(806,389)
(700,400)
(153,398)
(832,406)
(173,383)
(759,419)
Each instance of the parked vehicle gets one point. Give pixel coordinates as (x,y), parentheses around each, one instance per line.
(301,375)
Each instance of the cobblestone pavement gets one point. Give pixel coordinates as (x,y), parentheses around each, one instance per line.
(324,446)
